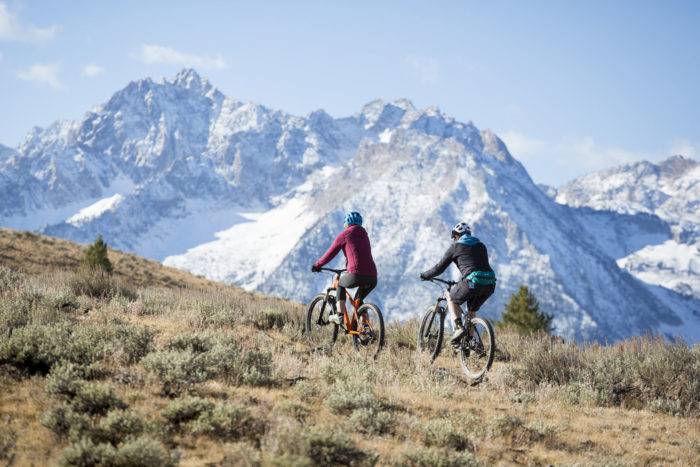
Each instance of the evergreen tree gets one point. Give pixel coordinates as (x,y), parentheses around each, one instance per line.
(523,313)
(96,256)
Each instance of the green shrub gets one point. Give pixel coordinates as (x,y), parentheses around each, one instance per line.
(179,371)
(436,457)
(345,399)
(86,453)
(372,421)
(329,447)
(132,342)
(119,425)
(228,421)
(95,399)
(95,283)
(523,314)
(544,360)
(143,452)
(96,256)
(36,348)
(185,409)
(442,433)
(65,422)
(194,342)
(269,319)
(66,378)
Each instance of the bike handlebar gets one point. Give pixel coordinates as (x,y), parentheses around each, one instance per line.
(336,271)
(448,283)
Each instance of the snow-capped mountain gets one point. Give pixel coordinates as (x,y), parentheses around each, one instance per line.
(179,172)
(667,194)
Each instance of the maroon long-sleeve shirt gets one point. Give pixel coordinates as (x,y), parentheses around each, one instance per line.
(354,242)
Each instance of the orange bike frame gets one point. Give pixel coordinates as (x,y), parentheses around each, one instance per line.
(349,328)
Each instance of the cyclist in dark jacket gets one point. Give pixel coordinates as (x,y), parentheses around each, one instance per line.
(361,270)
(478,279)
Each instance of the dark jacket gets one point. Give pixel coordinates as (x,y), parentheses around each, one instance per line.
(468,254)
(354,242)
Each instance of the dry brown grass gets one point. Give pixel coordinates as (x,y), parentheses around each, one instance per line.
(37,254)
(424,415)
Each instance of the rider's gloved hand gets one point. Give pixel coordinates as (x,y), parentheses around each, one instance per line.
(423,277)
(315,268)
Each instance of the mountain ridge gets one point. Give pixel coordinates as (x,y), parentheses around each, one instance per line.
(177,171)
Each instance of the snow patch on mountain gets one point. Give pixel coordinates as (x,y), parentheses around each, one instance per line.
(673,265)
(95,210)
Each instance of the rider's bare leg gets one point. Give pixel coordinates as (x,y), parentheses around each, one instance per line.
(342,307)
(456,311)
(470,316)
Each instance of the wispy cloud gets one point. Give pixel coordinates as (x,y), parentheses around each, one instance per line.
(11,29)
(685,148)
(426,69)
(152,54)
(556,162)
(91,70)
(43,74)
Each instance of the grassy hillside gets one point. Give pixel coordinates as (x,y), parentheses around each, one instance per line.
(156,367)
(36,254)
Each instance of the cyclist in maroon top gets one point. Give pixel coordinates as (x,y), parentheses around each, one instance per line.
(361,271)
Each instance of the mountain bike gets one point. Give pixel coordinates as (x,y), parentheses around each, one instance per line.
(365,325)
(476,348)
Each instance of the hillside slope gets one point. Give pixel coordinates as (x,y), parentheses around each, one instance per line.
(40,254)
(214,375)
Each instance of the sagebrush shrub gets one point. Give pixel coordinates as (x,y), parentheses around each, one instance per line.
(330,447)
(372,421)
(442,433)
(436,457)
(194,342)
(269,319)
(96,399)
(179,370)
(344,399)
(143,452)
(98,284)
(65,378)
(64,421)
(228,421)
(185,409)
(119,425)
(86,453)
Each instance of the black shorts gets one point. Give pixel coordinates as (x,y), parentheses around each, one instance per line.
(364,284)
(473,295)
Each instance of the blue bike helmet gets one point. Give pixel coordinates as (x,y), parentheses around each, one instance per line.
(353,218)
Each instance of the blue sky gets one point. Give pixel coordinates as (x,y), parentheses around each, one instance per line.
(570,86)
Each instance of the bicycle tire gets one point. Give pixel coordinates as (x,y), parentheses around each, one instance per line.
(356,341)
(426,326)
(310,324)
(476,376)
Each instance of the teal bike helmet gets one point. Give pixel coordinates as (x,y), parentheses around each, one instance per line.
(353,218)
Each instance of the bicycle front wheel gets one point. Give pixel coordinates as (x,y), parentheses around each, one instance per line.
(477,349)
(320,333)
(431,331)
(370,340)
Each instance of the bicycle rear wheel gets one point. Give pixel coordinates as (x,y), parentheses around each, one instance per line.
(431,331)
(320,333)
(370,340)
(477,349)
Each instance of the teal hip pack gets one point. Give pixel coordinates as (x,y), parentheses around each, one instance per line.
(482,277)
